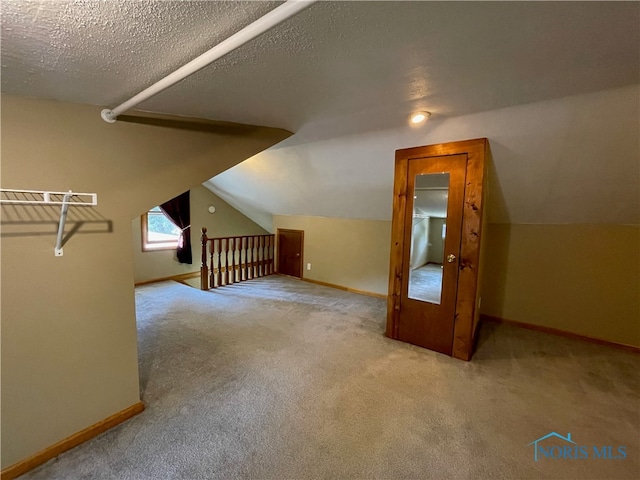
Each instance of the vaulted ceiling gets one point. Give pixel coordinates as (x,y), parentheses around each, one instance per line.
(339,72)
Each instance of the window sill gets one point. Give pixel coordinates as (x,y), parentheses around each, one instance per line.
(154,247)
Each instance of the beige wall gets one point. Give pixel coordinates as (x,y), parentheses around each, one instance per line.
(346,252)
(226,221)
(69,355)
(578,278)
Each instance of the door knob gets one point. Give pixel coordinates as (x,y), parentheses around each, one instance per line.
(451,258)
(297,254)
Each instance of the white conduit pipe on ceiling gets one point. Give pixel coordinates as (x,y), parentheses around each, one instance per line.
(251,31)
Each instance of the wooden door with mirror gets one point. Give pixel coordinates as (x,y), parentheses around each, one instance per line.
(432,230)
(437,223)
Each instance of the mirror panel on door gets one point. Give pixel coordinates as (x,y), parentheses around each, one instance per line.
(428,232)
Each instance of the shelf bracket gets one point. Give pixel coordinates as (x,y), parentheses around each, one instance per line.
(58,252)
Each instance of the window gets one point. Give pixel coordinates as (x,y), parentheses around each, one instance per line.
(158,231)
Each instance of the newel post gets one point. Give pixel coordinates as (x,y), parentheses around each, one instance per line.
(204,271)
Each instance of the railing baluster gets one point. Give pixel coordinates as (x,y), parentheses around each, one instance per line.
(260,256)
(252,256)
(221,271)
(212,270)
(232,268)
(239,239)
(258,261)
(226,261)
(236,253)
(219,255)
(204,271)
(250,264)
(240,267)
(246,260)
(217,259)
(234,264)
(242,279)
(256,257)
(264,256)
(255,262)
(240,243)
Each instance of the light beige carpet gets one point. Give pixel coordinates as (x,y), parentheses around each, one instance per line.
(281,379)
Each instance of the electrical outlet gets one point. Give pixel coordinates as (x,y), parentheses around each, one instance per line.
(308,266)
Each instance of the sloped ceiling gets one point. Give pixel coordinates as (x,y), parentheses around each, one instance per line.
(345,75)
(570,160)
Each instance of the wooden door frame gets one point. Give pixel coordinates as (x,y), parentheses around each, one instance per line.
(277,257)
(466,311)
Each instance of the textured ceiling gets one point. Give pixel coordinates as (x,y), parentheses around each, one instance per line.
(102,52)
(332,59)
(336,69)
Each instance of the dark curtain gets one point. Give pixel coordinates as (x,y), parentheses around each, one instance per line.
(179,211)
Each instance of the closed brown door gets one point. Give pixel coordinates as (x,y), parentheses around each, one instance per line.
(430,259)
(290,244)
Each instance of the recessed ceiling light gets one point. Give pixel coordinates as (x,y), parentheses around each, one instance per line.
(419,117)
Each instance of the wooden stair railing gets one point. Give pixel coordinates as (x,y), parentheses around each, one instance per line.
(229,260)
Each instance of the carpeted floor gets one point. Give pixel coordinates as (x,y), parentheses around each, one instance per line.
(281,379)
